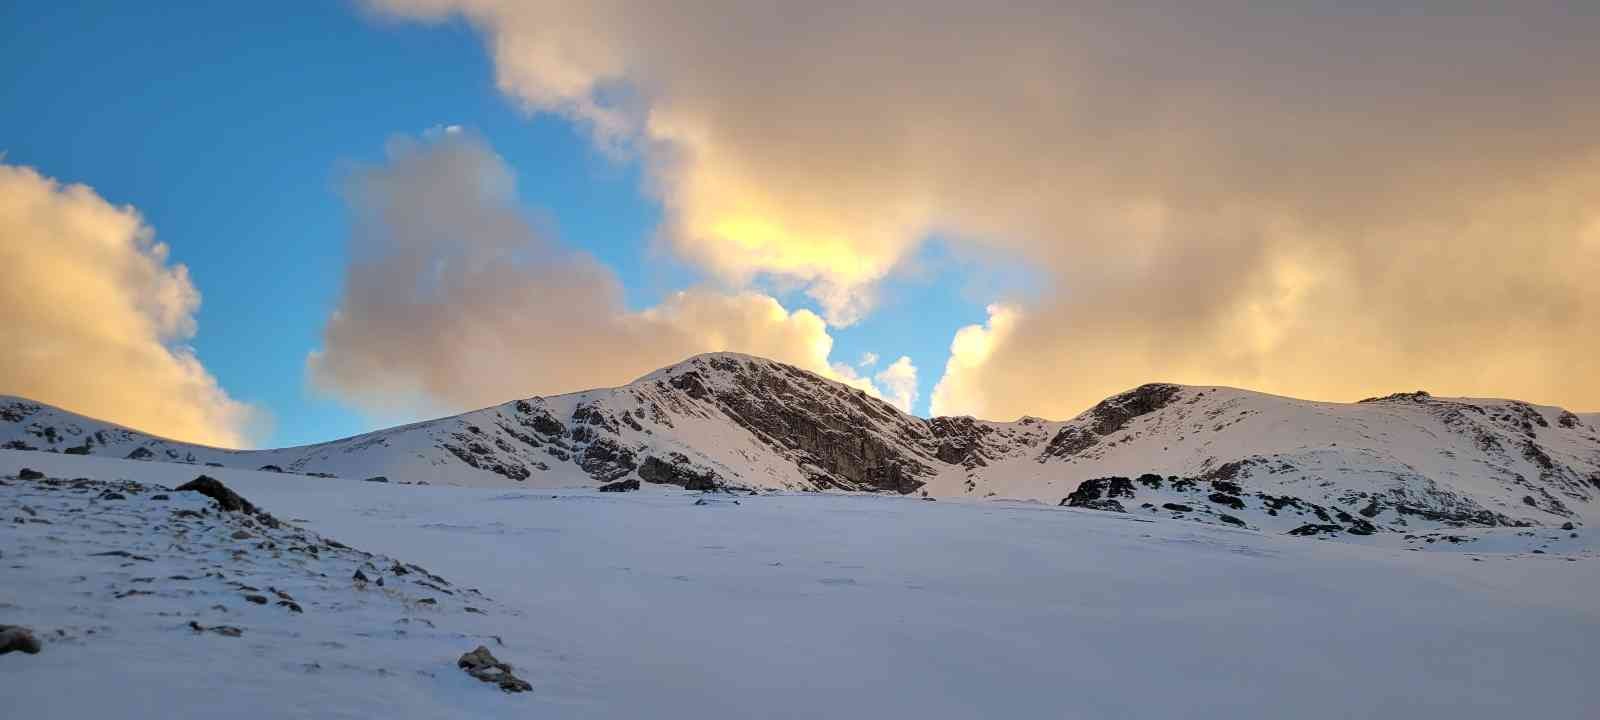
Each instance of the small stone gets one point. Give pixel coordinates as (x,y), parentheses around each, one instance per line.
(360,576)
(15,638)
(257,599)
(241,535)
(160,496)
(292,605)
(113,496)
(427,601)
(223,630)
(377,479)
(1567,525)
(29,474)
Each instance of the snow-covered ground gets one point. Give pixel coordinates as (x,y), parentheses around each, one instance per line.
(648,604)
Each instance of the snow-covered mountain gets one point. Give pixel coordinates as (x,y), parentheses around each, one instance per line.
(1408,462)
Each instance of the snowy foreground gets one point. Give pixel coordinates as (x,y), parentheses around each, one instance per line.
(646,604)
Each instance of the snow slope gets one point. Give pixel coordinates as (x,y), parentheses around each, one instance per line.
(1409,463)
(647,604)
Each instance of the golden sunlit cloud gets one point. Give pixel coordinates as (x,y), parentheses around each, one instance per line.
(454,299)
(94,316)
(1332,201)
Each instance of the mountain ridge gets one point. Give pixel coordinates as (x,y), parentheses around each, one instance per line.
(1401,462)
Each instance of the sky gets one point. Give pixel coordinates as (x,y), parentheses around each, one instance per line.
(279,224)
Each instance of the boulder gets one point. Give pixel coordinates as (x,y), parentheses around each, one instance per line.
(214,489)
(483,665)
(620,486)
(29,474)
(15,638)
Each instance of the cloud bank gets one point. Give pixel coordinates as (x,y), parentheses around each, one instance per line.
(1320,199)
(95,316)
(456,298)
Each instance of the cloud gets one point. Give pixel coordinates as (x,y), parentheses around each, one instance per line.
(456,298)
(899,383)
(868,359)
(95,316)
(961,391)
(1326,199)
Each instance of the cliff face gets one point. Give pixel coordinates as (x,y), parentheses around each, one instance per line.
(733,421)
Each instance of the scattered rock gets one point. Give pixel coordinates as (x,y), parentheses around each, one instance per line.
(1310,529)
(15,638)
(1225,499)
(270,468)
(160,496)
(257,599)
(377,478)
(223,630)
(292,605)
(360,576)
(112,495)
(483,665)
(1176,507)
(241,535)
(621,485)
(1229,519)
(29,474)
(1568,526)
(214,489)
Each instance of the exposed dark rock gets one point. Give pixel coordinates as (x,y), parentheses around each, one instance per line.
(223,630)
(620,486)
(359,576)
(1119,487)
(141,454)
(1232,488)
(214,489)
(1231,520)
(377,479)
(1088,490)
(1176,507)
(1315,529)
(16,638)
(270,468)
(257,599)
(678,472)
(1150,480)
(483,665)
(29,474)
(1567,526)
(1228,500)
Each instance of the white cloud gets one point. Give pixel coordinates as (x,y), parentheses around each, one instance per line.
(95,316)
(455,299)
(899,383)
(1329,202)
(868,359)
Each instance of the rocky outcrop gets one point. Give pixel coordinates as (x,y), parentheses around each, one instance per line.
(1109,416)
(483,665)
(678,470)
(15,638)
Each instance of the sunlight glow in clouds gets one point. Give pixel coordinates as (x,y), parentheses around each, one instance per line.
(1325,200)
(95,316)
(455,299)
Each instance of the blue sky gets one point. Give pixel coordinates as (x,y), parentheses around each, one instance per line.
(229,128)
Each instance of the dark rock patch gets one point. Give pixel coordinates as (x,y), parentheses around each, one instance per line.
(29,474)
(483,665)
(1228,500)
(15,638)
(620,486)
(214,489)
